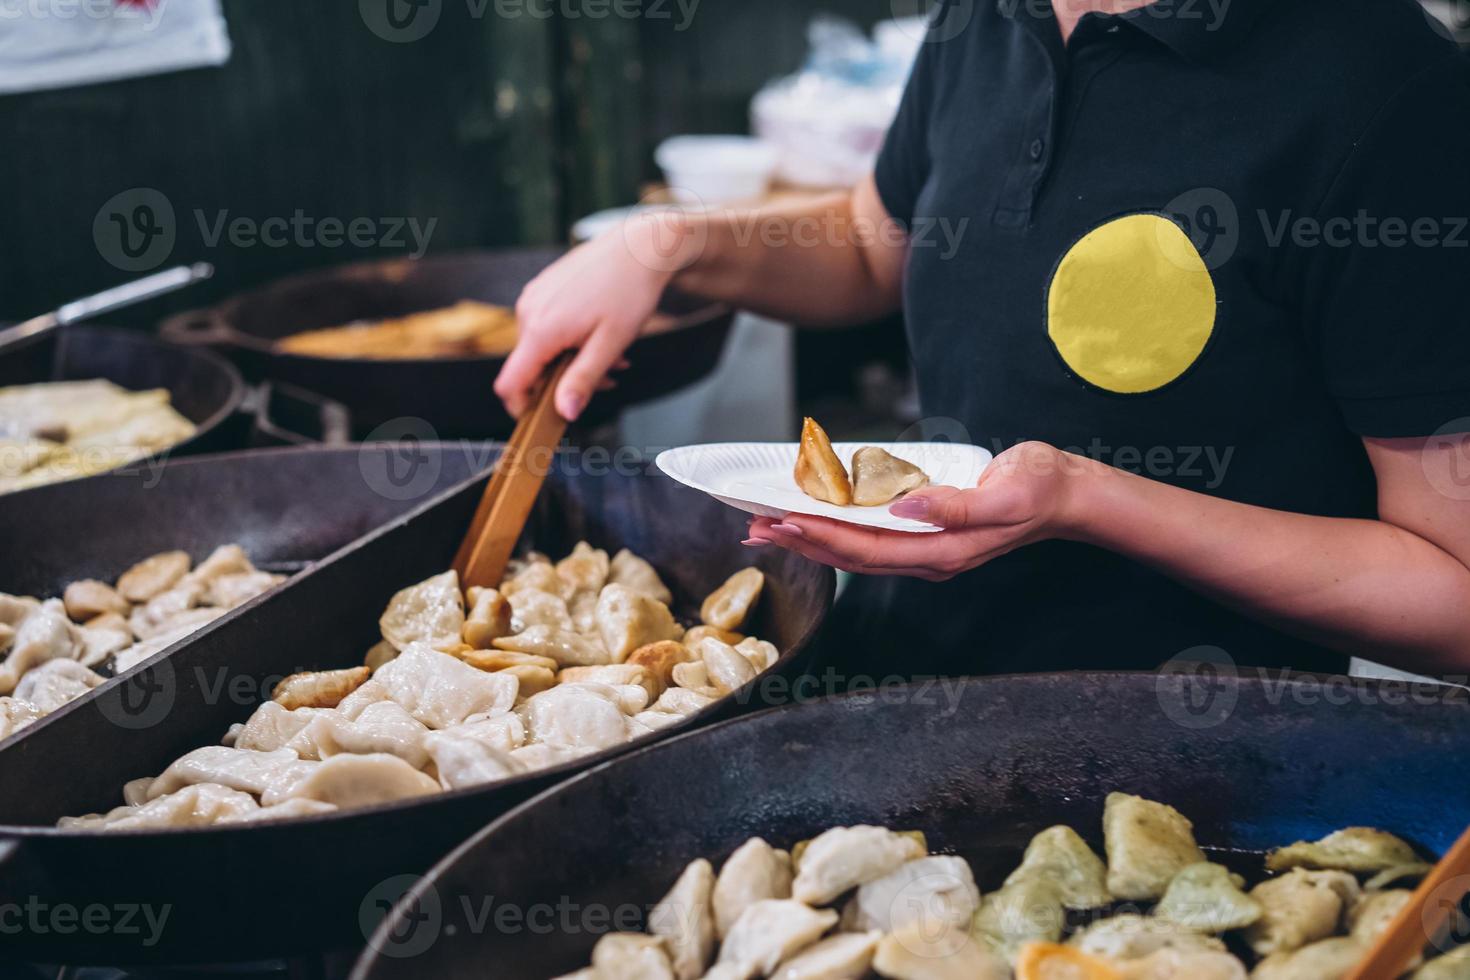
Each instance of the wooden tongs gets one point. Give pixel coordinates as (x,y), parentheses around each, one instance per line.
(1434,907)
(511,492)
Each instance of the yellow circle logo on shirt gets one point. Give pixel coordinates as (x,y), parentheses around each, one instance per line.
(1132,305)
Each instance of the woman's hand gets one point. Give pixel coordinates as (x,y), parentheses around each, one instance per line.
(1027,494)
(596,298)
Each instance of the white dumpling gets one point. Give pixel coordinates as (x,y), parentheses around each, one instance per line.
(1298,908)
(685,921)
(192,806)
(166,610)
(431,612)
(1131,937)
(352,780)
(1025,911)
(229,591)
(242,769)
(1208,898)
(56,682)
(1358,849)
(463,760)
(755,871)
(845,857)
(227,559)
(271,726)
(16,714)
(583,717)
(440,690)
(761,654)
(726,669)
(630,956)
(1329,959)
(537,576)
(585,569)
(911,954)
(371,692)
(531,608)
(1062,857)
(566,648)
(1454,965)
(768,932)
(682,702)
(635,573)
(1178,964)
(845,956)
(1148,843)
(384,727)
(281,811)
(627,620)
(539,755)
(936,892)
(101,641)
(44,634)
(502,732)
(729,606)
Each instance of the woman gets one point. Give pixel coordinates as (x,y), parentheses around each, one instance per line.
(1201,267)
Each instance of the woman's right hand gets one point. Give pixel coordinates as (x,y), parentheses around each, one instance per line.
(596,299)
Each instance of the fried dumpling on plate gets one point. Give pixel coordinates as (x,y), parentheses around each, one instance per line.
(819,473)
(879,476)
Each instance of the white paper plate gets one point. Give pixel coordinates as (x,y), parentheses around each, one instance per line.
(756,476)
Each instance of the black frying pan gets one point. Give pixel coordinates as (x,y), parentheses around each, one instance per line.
(293,887)
(979,766)
(452,394)
(286,507)
(204,387)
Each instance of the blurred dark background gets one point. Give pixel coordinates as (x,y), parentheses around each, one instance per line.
(502,129)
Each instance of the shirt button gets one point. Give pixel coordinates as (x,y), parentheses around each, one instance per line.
(1038,147)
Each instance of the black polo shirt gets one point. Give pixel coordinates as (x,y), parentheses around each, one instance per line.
(1213,242)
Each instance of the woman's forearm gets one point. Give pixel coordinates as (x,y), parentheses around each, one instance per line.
(830,260)
(1360,586)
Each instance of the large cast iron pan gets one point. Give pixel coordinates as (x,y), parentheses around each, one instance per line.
(298,886)
(286,507)
(979,765)
(452,394)
(204,388)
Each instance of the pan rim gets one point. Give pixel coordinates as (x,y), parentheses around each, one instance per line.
(552,775)
(431,877)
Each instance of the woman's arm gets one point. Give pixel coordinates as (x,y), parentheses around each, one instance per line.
(835,259)
(1396,589)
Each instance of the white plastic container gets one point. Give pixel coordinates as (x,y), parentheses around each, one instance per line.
(711,170)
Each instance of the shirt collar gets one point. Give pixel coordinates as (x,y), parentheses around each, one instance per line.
(1197,30)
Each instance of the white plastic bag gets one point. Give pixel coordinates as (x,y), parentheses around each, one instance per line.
(47,44)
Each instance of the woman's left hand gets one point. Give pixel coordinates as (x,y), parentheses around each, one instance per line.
(1027,494)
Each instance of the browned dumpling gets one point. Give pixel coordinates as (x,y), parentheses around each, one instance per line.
(879,476)
(819,473)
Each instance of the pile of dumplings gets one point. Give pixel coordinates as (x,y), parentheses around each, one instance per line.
(53,649)
(867,901)
(563,659)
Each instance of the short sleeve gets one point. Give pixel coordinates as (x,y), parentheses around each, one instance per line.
(1386,264)
(903,162)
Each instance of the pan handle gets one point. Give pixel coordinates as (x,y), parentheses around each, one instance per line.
(197,328)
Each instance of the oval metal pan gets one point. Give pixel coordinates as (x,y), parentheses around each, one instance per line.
(286,507)
(299,886)
(205,388)
(979,765)
(450,394)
